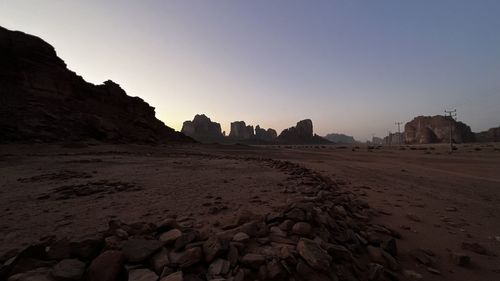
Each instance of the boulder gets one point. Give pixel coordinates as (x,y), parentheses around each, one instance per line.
(312,253)
(68,270)
(137,250)
(108,266)
(142,274)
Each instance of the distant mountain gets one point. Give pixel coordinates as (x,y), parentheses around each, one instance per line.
(436,129)
(42,100)
(340,138)
(302,133)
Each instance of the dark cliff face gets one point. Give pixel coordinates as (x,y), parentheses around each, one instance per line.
(41,100)
(340,138)
(239,130)
(203,129)
(436,129)
(302,133)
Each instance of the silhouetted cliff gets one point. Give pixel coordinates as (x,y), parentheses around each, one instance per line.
(203,129)
(302,133)
(41,100)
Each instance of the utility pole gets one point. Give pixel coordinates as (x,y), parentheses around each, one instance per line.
(452,114)
(399,131)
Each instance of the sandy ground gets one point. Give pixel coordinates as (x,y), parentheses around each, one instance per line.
(436,200)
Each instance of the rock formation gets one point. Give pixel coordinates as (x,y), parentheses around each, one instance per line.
(41,100)
(436,129)
(492,135)
(302,133)
(340,138)
(268,135)
(239,130)
(203,129)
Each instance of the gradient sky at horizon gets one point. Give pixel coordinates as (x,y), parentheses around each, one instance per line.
(353,67)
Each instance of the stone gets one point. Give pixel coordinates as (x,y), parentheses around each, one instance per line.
(177,276)
(275,271)
(375,254)
(241,237)
(213,248)
(39,274)
(59,250)
(460,259)
(476,248)
(339,252)
(295,214)
(233,255)
(219,267)
(375,271)
(142,274)
(253,260)
(312,253)
(274,230)
(187,257)
(302,228)
(160,260)
(122,234)
(138,250)
(412,275)
(170,236)
(68,269)
(185,239)
(108,266)
(87,247)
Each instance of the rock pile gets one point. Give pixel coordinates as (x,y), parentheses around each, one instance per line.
(325,236)
(43,101)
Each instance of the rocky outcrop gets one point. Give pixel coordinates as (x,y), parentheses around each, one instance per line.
(436,129)
(340,138)
(239,130)
(41,100)
(268,135)
(302,133)
(492,135)
(203,129)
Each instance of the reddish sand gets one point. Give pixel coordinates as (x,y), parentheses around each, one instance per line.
(436,200)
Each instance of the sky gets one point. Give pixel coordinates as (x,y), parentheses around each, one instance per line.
(353,67)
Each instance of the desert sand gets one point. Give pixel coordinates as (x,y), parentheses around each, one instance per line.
(439,203)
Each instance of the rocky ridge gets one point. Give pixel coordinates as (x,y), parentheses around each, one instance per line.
(43,101)
(202,129)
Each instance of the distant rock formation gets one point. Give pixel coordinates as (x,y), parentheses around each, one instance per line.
(492,135)
(436,129)
(41,100)
(340,138)
(302,133)
(239,130)
(394,138)
(203,129)
(268,135)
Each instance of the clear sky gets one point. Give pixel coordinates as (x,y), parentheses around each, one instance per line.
(353,67)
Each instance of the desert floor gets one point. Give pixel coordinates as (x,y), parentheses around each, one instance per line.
(437,201)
